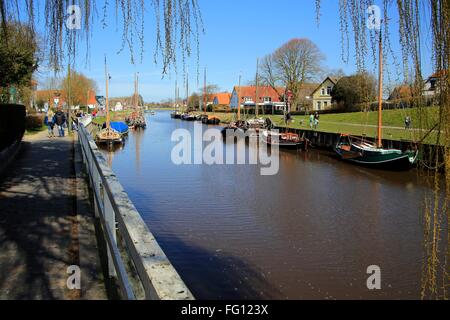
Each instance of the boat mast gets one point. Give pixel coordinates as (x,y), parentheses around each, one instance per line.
(187,91)
(257,82)
(108,119)
(135,97)
(175,101)
(239,98)
(137,90)
(204,93)
(380,93)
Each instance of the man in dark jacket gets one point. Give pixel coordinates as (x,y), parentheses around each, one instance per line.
(60,121)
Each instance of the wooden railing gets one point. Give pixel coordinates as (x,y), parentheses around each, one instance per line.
(120,220)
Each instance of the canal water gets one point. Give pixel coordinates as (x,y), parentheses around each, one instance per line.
(309,232)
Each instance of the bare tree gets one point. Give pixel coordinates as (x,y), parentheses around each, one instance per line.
(290,66)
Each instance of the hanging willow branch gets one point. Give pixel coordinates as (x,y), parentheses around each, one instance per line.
(353,13)
(178,22)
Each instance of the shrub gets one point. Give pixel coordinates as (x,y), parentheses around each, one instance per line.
(34,122)
(12,124)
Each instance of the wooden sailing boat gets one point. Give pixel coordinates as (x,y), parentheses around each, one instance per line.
(360,151)
(175,114)
(137,119)
(187,115)
(108,135)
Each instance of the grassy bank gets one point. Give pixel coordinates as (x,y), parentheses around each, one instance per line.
(364,123)
(115,116)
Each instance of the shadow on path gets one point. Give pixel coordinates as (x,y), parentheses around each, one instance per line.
(37,221)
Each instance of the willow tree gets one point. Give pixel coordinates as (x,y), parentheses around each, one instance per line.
(359,24)
(178,24)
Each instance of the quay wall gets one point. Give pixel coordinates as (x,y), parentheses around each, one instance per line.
(134,255)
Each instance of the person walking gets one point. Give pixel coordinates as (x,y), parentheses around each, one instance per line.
(408,122)
(60,121)
(49,123)
(311,121)
(316,121)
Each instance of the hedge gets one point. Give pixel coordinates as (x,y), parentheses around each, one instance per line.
(34,122)
(12,124)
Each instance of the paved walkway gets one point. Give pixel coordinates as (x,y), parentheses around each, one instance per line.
(42,231)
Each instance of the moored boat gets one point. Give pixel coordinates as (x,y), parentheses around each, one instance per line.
(287,140)
(120,127)
(175,115)
(108,135)
(372,154)
(187,117)
(213,120)
(360,151)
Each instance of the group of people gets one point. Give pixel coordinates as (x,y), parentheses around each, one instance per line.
(314,121)
(58,120)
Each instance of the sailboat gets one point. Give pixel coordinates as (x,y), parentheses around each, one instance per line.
(108,135)
(360,151)
(137,119)
(175,114)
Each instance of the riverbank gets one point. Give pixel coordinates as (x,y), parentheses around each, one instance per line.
(115,116)
(360,123)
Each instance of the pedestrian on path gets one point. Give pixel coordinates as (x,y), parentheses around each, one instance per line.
(316,121)
(408,123)
(49,123)
(311,121)
(60,121)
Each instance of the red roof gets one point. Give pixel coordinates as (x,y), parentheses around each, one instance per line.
(263,92)
(91,99)
(223,98)
(50,96)
(439,74)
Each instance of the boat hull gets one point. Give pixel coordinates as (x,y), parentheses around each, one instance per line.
(282,143)
(392,161)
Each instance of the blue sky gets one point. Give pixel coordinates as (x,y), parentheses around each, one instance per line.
(237,33)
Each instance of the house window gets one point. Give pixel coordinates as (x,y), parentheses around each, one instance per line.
(325,104)
(319,105)
(329,89)
(267,99)
(432,85)
(323,91)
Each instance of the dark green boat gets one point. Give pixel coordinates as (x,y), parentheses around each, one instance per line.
(366,153)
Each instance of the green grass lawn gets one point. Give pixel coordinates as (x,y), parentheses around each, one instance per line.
(115,116)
